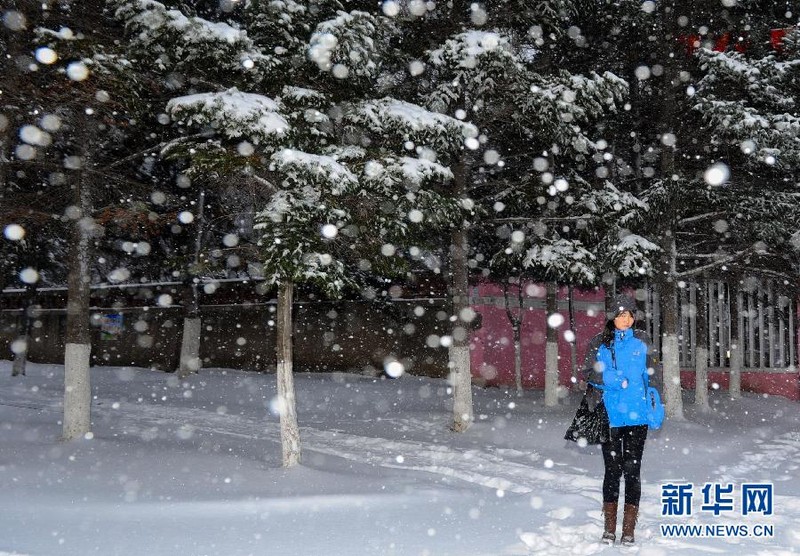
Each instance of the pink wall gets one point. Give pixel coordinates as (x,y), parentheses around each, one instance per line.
(774,384)
(493,344)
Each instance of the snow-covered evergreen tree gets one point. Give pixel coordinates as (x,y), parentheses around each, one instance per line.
(493,68)
(72,116)
(720,98)
(345,198)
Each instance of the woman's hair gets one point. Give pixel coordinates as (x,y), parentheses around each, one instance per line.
(608,333)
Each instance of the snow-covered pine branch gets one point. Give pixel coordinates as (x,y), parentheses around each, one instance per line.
(185,43)
(352,45)
(547,259)
(232,113)
(472,65)
(633,256)
(302,169)
(387,116)
(560,259)
(609,200)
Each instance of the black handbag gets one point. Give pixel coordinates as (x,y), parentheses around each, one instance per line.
(589,425)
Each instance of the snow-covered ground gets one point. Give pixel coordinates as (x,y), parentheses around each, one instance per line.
(193,468)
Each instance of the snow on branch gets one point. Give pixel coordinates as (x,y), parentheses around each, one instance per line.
(189,40)
(725,260)
(631,257)
(351,44)
(472,66)
(610,199)
(232,113)
(561,258)
(464,49)
(301,166)
(558,104)
(412,122)
(414,171)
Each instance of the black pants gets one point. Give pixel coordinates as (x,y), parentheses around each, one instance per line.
(622,455)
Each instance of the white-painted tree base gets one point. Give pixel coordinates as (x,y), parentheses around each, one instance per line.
(461,377)
(290,431)
(672,377)
(21,358)
(701,379)
(551,374)
(190,347)
(735,381)
(77,391)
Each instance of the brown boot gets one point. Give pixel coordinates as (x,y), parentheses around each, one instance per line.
(629,517)
(610,519)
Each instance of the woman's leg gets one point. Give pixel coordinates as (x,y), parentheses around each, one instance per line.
(612,458)
(633,440)
(633,447)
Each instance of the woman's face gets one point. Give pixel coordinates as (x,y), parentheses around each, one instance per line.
(624,320)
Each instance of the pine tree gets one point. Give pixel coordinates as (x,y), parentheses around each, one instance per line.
(705,90)
(72,100)
(488,64)
(346,202)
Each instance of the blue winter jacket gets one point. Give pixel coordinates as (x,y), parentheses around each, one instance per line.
(625,378)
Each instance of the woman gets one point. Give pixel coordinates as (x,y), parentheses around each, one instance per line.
(619,363)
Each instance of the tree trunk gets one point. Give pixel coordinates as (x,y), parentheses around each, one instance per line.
(667,278)
(673,399)
(77,353)
(701,348)
(517,357)
(21,350)
(551,349)
(609,292)
(6,140)
(460,372)
(290,432)
(190,361)
(23,343)
(736,355)
(516,329)
(573,339)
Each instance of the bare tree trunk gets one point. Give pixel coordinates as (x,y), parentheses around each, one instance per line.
(517,359)
(460,372)
(673,399)
(551,349)
(516,329)
(190,345)
(5,142)
(77,353)
(290,432)
(190,361)
(5,154)
(701,348)
(573,337)
(670,354)
(24,341)
(609,291)
(192,330)
(736,357)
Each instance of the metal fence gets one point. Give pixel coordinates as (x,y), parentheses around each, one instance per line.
(766,319)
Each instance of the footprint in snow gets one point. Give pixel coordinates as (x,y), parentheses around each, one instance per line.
(556,540)
(560,513)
